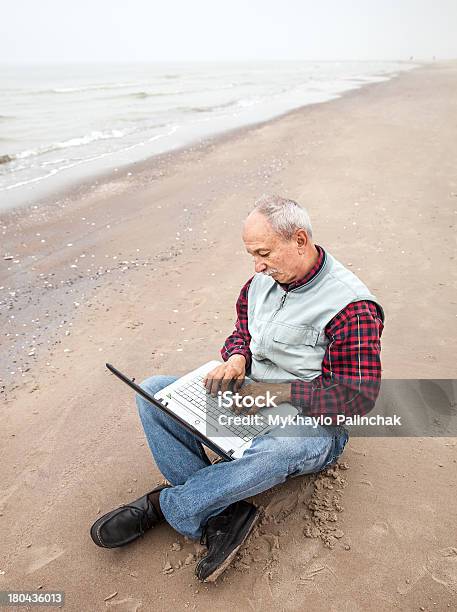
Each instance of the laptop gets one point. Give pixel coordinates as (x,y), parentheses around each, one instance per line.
(206,417)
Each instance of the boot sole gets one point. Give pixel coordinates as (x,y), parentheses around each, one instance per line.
(224,565)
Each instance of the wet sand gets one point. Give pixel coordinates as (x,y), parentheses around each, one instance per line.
(142,268)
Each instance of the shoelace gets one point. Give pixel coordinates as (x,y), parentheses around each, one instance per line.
(146,521)
(153,519)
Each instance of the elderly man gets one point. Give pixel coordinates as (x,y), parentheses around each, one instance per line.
(308,330)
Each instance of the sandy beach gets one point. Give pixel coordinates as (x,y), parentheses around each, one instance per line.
(142,268)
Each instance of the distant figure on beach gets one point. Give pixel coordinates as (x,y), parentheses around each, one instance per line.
(308,331)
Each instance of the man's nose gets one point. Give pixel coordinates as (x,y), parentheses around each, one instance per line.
(260,266)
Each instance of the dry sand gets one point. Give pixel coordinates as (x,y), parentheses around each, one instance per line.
(143,270)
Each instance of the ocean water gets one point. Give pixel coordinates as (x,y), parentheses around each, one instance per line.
(60,124)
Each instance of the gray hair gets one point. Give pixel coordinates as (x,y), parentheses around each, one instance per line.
(285,216)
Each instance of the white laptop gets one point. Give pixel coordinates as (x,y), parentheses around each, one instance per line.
(187,401)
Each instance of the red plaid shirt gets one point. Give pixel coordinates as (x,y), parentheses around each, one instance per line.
(351,367)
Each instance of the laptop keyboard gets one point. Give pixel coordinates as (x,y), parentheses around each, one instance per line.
(206,407)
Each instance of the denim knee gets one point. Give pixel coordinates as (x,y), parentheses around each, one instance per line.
(155,383)
(152,385)
(289,453)
(303,455)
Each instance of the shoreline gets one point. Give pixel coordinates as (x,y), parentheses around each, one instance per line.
(158,270)
(78,187)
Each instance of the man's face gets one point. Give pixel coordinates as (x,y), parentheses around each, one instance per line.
(272,254)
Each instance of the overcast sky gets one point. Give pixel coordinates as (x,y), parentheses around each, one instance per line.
(150,30)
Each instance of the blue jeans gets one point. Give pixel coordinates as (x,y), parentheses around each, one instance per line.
(200,489)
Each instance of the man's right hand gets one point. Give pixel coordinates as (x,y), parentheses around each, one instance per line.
(219,379)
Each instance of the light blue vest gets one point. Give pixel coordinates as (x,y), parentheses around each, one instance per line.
(288,340)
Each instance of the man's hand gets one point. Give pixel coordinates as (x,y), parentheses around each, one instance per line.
(219,379)
(278,393)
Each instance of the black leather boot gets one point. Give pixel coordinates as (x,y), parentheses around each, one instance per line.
(223,535)
(127,523)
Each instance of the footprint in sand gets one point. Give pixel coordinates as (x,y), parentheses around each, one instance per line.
(440,401)
(195,303)
(440,395)
(282,505)
(125,605)
(43,555)
(442,566)
(377,533)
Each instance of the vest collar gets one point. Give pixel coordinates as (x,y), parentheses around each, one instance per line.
(317,277)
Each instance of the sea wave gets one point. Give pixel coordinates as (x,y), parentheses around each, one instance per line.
(74,163)
(98,86)
(154,94)
(144,93)
(209,109)
(246,102)
(81,88)
(234,103)
(72,142)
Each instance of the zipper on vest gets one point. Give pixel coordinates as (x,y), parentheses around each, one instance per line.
(283,300)
(281,303)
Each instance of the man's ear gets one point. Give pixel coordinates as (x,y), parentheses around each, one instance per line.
(301,238)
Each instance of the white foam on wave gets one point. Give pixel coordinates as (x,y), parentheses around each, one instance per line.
(66,166)
(98,86)
(247,102)
(72,142)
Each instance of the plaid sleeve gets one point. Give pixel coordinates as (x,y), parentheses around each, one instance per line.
(351,368)
(239,340)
